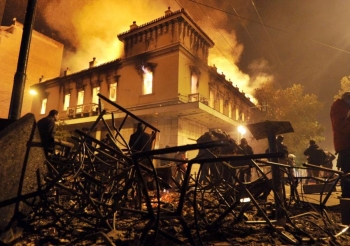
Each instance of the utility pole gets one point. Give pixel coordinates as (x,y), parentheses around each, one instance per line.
(20,75)
(2,9)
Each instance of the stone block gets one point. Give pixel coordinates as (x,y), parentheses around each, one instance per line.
(5,123)
(317,188)
(22,167)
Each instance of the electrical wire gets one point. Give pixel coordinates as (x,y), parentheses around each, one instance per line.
(217,29)
(272,27)
(305,114)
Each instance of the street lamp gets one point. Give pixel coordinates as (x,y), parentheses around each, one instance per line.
(32,92)
(241,131)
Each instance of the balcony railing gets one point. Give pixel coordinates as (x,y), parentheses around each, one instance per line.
(196,97)
(84,110)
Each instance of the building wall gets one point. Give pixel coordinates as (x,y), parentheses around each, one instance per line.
(188,133)
(186,61)
(54,100)
(165,80)
(45,58)
(172,66)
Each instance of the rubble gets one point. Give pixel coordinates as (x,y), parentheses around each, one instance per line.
(106,196)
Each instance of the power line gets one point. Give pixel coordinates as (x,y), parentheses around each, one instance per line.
(305,114)
(272,27)
(250,36)
(217,29)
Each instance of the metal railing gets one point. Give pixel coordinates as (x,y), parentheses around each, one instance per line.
(91,109)
(83,110)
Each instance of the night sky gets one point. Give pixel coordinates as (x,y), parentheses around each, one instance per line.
(289,42)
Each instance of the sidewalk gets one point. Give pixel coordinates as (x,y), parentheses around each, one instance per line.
(317,198)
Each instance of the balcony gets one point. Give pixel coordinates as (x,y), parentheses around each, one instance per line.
(196,97)
(84,110)
(193,107)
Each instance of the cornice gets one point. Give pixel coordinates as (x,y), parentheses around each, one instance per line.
(174,16)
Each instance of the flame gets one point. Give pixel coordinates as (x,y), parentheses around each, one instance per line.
(91,27)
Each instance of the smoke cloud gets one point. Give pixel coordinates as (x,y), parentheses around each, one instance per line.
(91,28)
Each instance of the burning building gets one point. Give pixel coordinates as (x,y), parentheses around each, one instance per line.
(163,78)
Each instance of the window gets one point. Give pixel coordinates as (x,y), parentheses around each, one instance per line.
(195,73)
(66,102)
(239,114)
(113,92)
(80,97)
(147,87)
(95,91)
(80,101)
(194,83)
(211,99)
(43,106)
(230,110)
(221,105)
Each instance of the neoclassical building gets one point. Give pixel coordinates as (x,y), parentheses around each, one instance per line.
(44,61)
(164,78)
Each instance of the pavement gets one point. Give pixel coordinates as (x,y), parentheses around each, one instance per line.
(317,197)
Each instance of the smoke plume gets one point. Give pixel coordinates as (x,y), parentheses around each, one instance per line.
(91,28)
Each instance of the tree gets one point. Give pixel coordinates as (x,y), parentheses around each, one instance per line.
(291,104)
(344,86)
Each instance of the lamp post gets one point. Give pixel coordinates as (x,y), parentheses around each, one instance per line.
(241,130)
(20,75)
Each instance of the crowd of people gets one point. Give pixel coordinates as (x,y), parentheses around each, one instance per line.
(142,141)
(315,155)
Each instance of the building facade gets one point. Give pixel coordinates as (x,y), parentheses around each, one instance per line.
(163,78)
(44,61)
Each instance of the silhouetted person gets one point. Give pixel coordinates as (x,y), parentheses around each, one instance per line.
(340,118)
(181,166)
(88,140)
(282,148)
(315,156)
(140,140)
(165,170)
(245,149)
(46,127)
(328,163)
